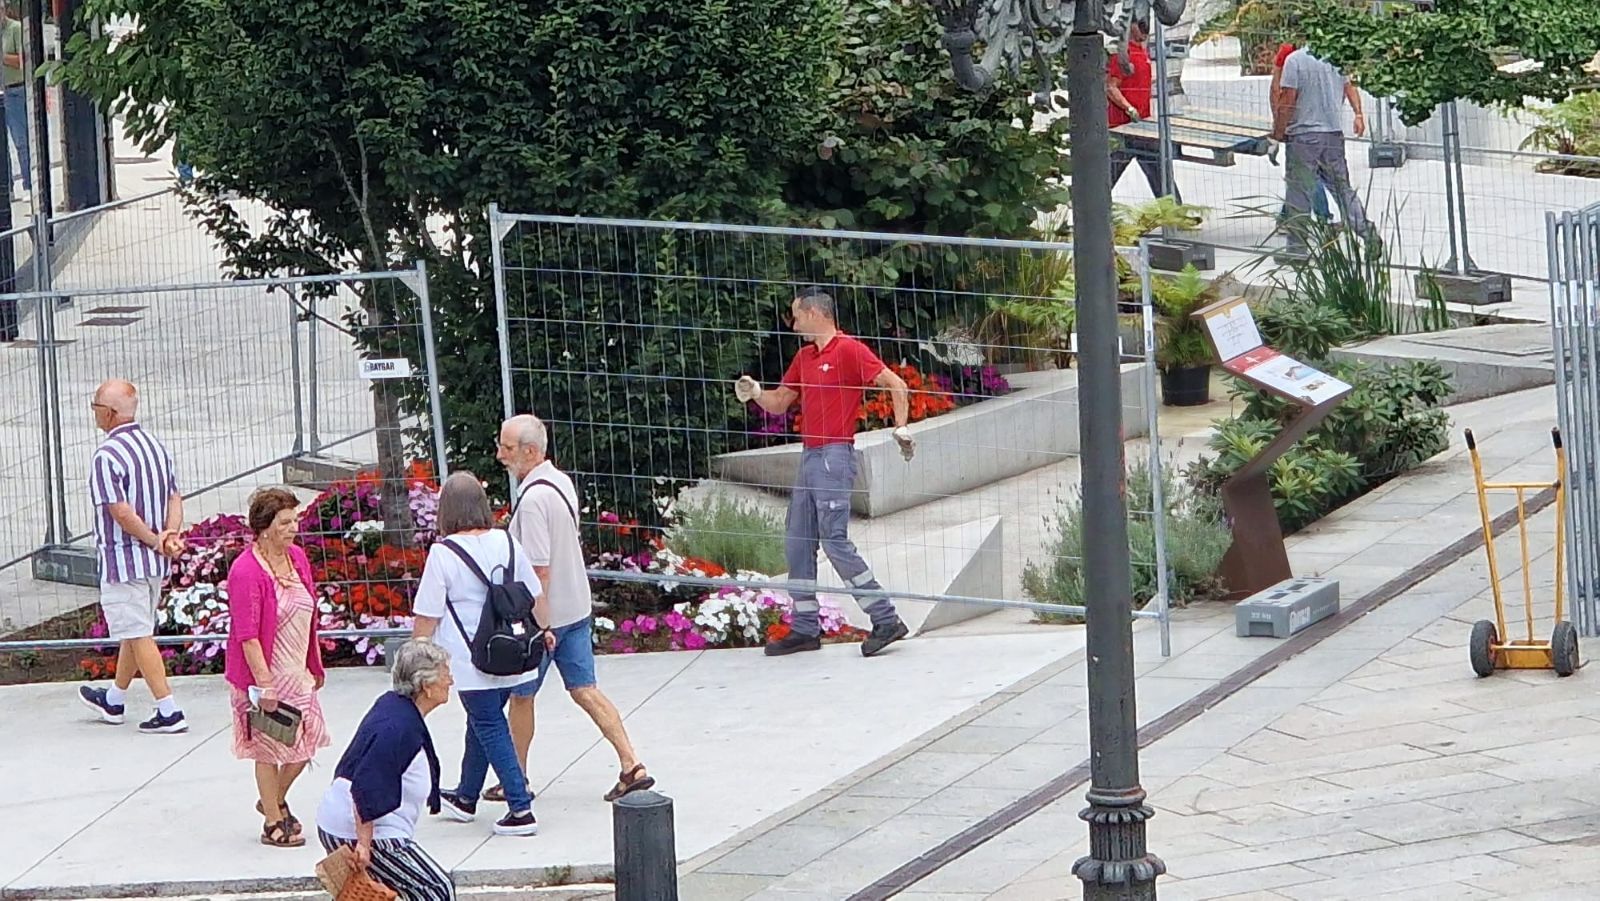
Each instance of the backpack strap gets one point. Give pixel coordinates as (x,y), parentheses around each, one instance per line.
(467,559)
(477,571)
(553,487)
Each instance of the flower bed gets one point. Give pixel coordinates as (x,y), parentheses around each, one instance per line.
(367,581)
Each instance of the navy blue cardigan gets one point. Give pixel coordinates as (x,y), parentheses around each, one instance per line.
(386,742)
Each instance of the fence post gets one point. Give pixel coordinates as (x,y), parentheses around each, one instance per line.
(48,306)
(312,388)
(294,374)
(1152,412)
(498,229)
(644,848)
(44,308)
(435,407)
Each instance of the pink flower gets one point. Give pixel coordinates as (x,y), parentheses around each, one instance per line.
(694,641)
(647,624)
(626,627)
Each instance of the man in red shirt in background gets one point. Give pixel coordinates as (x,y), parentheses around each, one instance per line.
(1128,100)
(828,376)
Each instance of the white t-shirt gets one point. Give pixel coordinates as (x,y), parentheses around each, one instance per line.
(545,526)
(337,813)
(446,576)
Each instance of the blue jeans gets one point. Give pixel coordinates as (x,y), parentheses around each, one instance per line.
(489,744)
(16,104)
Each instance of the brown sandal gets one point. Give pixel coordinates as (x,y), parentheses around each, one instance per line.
(630,781)
(288,817)
(279,835)
(496,795)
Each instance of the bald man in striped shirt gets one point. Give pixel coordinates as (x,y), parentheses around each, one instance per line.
(138,512)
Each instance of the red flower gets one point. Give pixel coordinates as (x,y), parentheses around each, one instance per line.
(777,631)
(712,570)
(377,600)
(420,472)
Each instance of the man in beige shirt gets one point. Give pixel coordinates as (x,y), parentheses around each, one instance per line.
(544,520)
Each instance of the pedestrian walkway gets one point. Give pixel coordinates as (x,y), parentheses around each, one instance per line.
(1375,765)
(842,842)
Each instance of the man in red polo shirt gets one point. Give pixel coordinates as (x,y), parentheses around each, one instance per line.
(829,377)
(1128,100)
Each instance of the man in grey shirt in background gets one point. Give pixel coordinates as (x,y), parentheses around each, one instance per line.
(1307,118)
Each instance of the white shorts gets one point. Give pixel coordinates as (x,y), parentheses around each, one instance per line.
(130,608)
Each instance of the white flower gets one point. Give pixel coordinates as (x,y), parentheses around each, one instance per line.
(364,528)
(604,624)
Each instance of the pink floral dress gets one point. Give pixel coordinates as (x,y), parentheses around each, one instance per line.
(294,685)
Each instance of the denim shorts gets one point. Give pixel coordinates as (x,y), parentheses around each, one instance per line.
(573,658)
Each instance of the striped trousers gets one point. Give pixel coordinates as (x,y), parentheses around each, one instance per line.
(402,865)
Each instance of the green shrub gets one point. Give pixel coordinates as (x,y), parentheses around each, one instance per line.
(1390,422)
(736,535)
(1570,128)
(1196,542)
(907,150)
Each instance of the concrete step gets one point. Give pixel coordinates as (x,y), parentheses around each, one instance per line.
(1482,361)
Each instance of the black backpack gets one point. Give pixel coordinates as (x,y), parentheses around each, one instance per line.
(508,642)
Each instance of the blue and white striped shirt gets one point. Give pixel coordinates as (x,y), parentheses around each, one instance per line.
(134,468)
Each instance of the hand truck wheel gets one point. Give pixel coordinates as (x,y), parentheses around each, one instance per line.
(1481,647)
(1564,649)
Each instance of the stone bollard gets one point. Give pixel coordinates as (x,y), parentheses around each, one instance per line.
(645,852)
(390,646)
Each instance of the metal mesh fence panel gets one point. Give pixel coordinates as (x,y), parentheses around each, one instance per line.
(1574,260)
(225,376)
(627,338)
(1484,214)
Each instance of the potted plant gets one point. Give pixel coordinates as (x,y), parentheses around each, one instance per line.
(1182,352)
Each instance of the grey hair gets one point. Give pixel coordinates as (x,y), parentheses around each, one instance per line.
(463,504)
(416,666)
(530,431)
(818,301)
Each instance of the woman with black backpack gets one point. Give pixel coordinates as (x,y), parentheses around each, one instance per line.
(476,600)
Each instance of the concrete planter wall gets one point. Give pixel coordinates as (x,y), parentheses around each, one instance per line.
(1033,426)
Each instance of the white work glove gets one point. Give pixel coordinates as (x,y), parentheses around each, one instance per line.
(1133,114)
(746,389)
(1272,151)
(908,447)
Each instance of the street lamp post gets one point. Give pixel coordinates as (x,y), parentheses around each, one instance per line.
(1118,865)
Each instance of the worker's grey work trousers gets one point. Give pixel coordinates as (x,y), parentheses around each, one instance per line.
(819,513)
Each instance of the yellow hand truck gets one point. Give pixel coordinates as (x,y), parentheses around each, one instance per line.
(1487,649)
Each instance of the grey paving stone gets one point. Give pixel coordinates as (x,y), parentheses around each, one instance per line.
(974,739)
(1411,856)
(920,775)
(1302,852)
(961,800)
(1429,875)
(1027,767)
(708,886)
(782,850)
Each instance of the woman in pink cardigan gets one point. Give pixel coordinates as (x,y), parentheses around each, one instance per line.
(273,657)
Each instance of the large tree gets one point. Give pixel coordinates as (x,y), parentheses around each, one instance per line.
(1427,54)
(377,133)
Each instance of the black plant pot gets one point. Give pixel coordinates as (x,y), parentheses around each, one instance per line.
(1186,386)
